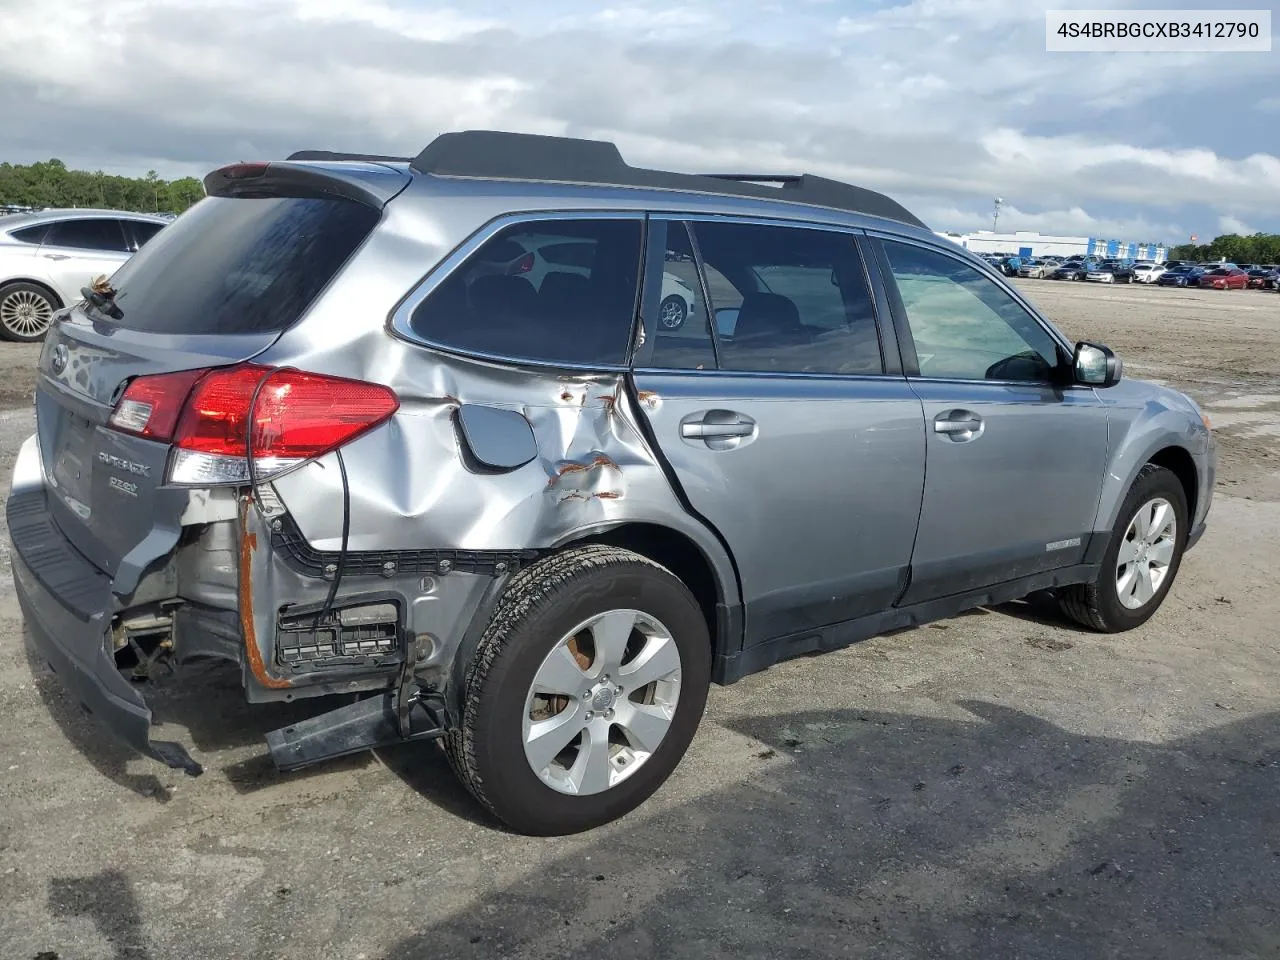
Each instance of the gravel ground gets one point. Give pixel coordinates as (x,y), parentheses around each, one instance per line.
(997,785)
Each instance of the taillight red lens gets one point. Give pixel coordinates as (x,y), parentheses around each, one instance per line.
(298,416)
(524,264)
(150,405)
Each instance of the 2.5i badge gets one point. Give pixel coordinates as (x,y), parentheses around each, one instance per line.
(123,486)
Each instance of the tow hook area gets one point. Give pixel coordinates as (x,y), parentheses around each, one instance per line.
(409,712)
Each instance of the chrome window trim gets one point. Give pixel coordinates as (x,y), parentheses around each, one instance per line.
(986,270)
(401,317)
(773,374)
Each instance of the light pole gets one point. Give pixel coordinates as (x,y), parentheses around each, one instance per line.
(995,214)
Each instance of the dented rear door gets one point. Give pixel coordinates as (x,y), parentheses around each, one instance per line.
(814,479)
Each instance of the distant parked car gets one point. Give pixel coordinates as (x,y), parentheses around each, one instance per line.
(1111,272)
(1036,268)
(1225,278)
(1010,266)
(1179,276)
(1258,278)
(1071,270)
(1148,272)
(47,257)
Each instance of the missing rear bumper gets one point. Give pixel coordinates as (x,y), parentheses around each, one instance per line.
(76,650)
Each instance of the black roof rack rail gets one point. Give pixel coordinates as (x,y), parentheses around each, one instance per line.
(331,156)
(498,155)
(757,177)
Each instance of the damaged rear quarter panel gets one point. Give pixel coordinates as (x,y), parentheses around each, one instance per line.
(411,485)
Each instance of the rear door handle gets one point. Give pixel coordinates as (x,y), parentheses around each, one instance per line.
(955,426)
(701,430)
(56,256)
(719,429)
(958,425)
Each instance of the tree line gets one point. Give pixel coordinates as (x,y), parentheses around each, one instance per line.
(1259,248)
(51,184)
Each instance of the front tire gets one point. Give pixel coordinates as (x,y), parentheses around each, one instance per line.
(1142,558)
(26,311)
(584,692)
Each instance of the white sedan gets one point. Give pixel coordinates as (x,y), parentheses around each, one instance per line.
(46,257)
(1147,272)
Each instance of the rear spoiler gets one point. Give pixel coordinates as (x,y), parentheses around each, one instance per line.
(372,184)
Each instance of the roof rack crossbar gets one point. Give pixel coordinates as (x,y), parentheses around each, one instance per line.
(331,156)
(497,155)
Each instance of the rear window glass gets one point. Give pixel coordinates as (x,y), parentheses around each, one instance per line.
(540,309)
(239,265)
(31,234)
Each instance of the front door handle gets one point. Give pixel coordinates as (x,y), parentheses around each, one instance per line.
(958,425)
(719,429)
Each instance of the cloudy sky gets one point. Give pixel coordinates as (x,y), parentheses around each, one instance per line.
(945,104)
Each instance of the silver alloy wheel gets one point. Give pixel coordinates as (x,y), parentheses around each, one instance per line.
(601,702)
(671,313)
(26,313)
(1146,553)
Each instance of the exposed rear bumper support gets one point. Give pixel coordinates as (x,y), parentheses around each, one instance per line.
(364,725)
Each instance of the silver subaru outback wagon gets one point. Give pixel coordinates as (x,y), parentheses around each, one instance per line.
(329,427)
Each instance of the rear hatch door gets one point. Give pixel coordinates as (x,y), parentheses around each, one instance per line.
(216,287)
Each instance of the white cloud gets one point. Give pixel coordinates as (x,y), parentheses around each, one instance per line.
(1233,225)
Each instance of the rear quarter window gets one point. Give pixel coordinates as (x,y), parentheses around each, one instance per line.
(553,312)
(239,265)
(33,235)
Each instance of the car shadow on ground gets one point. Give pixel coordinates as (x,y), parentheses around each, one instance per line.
(106,899)
(888,836)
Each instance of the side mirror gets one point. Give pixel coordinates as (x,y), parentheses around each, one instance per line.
(1095,365)
(726,321)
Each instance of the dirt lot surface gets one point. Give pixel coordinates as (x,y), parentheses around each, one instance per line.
(998,785)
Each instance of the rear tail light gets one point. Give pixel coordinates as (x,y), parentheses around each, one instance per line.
(151,405)
(523,265)
(207,416)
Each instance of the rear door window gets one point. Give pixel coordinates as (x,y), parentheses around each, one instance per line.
(677,312)
(789,300)
(239,265)
(542,309)
(88,234)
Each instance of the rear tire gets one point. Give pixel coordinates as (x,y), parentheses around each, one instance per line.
(595,621)
(26,311)
(1127,594)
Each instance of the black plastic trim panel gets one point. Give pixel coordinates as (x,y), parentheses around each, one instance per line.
(289,543)
(729,669)
(62,570)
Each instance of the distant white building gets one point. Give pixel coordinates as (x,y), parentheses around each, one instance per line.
(1025,243)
